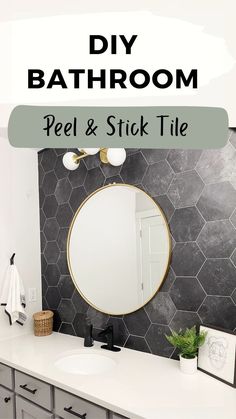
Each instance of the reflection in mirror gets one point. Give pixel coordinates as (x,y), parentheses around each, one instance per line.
(118,249)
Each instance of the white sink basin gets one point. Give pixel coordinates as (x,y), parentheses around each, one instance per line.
(86,363)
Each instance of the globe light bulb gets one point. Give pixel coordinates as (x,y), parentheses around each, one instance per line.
(90,151)
(69,161)
(116,156)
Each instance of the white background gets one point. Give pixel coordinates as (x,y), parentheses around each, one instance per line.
(54,34)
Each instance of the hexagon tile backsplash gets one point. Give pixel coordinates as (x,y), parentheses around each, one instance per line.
(197,191)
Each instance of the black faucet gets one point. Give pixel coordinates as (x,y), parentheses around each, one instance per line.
(108,333)
(88,333)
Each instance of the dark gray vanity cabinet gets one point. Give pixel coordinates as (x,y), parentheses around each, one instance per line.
(28,410)
(35,390)
(7,396)
(7,404)
(25,397)
(68,406)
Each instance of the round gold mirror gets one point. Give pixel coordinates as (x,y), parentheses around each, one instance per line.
(118,249)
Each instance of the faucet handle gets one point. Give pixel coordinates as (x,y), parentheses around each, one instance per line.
(108,333)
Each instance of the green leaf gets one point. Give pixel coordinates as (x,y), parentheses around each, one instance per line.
(187,342)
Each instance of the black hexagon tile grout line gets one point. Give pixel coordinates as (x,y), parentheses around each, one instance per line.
(155,343)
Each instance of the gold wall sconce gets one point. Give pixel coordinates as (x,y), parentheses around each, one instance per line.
(113,156)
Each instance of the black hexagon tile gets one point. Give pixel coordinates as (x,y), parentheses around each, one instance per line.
(156,339)
(217,165)
(49,183)
(158,178)
(52,274)
(217,239)
(218,277)
(41,174)
(51,252)
(234,296)
(233,257)
(66,310)
(62,264)
(67,329)
(43,241)
(108,170)
(51,229)
(137,323)
(203,225)
(233,218)
(50,206)
(168,281)
(66,286)
(219,311)
(62,238)
(79,303)
(97,318)
(187,294)
(92,162)
(217,201)
(166,206)
(77,177)
(63,191)
(138,343)
(77,197)
(154,156)
(79,323)
(60,171)
(52,297)
(182,160)
(133,169)
(185,189)
(186,224)
(94,180)
(48,160)
(161,308)
(187,259)
(64,215)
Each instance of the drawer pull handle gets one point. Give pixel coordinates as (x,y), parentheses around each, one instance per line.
(7,399)
(69,410)
(28,389)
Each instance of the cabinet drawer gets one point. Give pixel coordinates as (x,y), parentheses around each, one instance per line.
(33,389)
(68,406)
(6,376)
(27,410)
(6,404)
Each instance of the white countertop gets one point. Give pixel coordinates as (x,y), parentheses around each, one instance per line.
(140,386)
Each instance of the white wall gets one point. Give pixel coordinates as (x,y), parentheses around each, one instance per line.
(19,226)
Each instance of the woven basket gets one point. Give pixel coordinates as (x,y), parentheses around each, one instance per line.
(43,322)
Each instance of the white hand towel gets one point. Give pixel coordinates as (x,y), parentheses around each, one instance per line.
(13,296)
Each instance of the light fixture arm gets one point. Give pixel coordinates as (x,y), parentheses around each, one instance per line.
(79,157)
(103,156)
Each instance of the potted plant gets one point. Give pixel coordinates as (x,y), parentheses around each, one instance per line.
(187,342)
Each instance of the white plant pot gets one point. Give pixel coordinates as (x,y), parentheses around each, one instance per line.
(188,366)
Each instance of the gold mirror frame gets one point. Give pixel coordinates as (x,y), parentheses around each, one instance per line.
(68,245)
